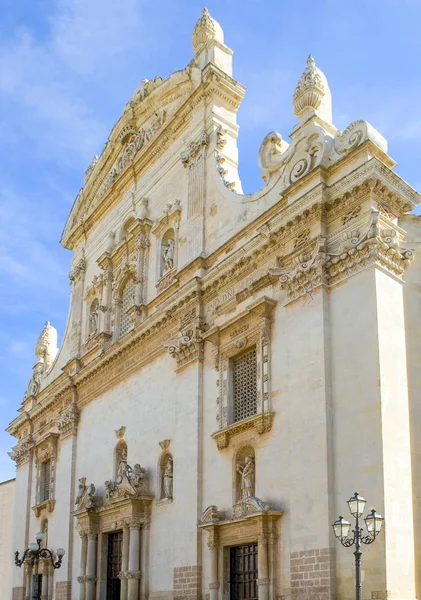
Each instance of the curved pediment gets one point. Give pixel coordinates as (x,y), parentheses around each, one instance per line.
(145,117)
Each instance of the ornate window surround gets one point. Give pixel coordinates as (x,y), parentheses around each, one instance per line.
(250,328)
(45,450)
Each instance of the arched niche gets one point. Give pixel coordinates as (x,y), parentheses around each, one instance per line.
(120,457)
(125,230)
(167,252)
(166,476)
(93,317)
(244,472)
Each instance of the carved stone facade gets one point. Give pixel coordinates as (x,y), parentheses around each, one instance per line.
(222,350)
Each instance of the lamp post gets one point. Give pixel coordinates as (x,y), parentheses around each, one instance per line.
(341,527)
(33,554)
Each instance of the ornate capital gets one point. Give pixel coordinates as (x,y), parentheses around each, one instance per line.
(186,347)
(78,270)
(68,420)
(133,574)
(195,151)
(22,451)
(81,578)
(214,585)
(92,578)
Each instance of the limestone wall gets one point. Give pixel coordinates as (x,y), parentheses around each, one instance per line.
(7,549)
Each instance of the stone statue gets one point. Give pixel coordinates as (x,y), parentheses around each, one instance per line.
(109,489)
(85,496)
(167,479)
(168,255)
(122,467)
(137,476)
(93,319)
(81,490)
(247,477)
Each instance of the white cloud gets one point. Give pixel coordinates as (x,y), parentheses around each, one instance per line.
(46,82)
(87,34)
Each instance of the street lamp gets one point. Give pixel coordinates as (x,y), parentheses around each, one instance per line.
(341,528)
(33,554)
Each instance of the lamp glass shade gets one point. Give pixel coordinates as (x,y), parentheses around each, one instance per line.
(60,552)
(341,528)
(33,547)
(356,505)
(39,536)
(374,523)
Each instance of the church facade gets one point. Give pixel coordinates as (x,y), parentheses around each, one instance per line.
(234,366)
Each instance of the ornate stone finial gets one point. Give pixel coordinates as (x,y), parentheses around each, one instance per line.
(312,94)
(206,29)
(120,432)
(165,444)
(46,348)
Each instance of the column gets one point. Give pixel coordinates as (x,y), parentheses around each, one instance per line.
(51,583)
(90,577)
(272,572)
(28,590)
(133,573)
(44,581)
(82,566)
(124,562)
(144,556)
(214,583)
(262,568)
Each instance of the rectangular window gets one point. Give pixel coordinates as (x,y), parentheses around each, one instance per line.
(45,481)
(244,385)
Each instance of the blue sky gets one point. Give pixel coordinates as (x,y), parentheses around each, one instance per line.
(67,68)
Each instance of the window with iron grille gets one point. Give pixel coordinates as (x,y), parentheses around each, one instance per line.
(127,301)
(244,385)
(45,481)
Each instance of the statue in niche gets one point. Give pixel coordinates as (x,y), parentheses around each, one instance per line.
(167,479)
(247,477)
(168,255)
(93,318)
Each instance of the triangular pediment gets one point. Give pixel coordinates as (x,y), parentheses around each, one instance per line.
(144,121)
